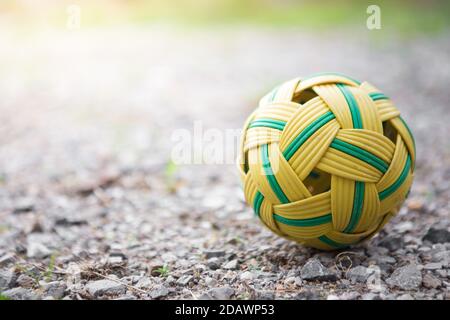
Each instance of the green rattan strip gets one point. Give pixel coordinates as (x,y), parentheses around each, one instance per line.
(353,106)
(358,201)
(270,175)
(259,198)
(304,222)
(306,133)
(378,96)
(269,123)
(393,187)
(361,154)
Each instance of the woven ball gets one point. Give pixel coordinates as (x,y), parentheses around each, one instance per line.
(326,160)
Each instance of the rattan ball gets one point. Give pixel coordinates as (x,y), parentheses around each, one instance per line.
(326,160)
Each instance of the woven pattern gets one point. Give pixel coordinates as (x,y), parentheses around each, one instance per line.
(326,160)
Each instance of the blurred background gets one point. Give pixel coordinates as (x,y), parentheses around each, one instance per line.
(92,91)
(111,71)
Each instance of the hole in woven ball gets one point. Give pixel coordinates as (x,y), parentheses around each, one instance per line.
(305,96)
(245,166)
(389,131)
(318,181)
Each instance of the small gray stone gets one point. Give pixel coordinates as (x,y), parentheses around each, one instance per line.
(404,226)
(370,296)
(433,266)
(184,280)
(20,294)
(349,296)
(23,205)
(443,273)
(265,295)
(392,243)
(210,282)
(170,280)
(441,256)
(169,257)
(213,253)
(105,287)
(36,250)
(144,283)
(126,297)
(6,259)
(7,279)
(431,282)
(159,291)
(25,281)
(204,296)
(115,261)
(437,236)
(405,296)
(289,281)
(213,263)
(223,293)
(314,270)
(382,259)
(309,294)
(214,201)
(55,289)
(247,276)
(199,267)
(407,278)
(230,265)
(359,274)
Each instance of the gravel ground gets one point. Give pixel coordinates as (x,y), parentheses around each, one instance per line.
(90,207)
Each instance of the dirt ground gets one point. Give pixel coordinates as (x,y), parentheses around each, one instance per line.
(90,206)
